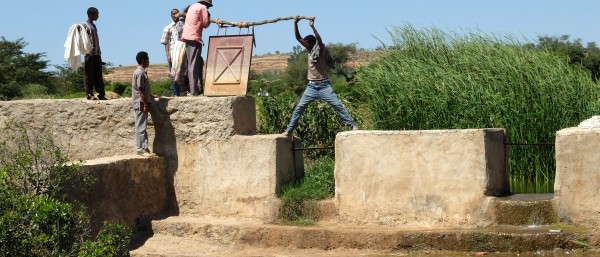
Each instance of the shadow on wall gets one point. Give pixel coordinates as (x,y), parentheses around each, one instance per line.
(165,144)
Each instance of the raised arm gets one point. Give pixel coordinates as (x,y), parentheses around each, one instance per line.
(298,36)
(319,41)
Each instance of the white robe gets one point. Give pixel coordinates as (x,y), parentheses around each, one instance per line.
(78,43)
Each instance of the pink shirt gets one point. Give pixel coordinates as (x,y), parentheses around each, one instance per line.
(196,20)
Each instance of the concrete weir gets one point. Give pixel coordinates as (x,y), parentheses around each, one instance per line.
(213,189)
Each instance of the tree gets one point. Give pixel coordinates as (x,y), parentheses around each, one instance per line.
(20,68)
(295,72)
(587,57)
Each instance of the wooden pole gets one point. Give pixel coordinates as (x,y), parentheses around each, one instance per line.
(247,24)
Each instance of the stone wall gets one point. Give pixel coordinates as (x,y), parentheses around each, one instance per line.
(420,178)
(95,129)
(215,165)
(577,183)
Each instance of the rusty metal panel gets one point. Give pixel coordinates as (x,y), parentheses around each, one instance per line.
(228,65)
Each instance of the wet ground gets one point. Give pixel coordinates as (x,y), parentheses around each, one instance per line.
(274,252)
(556,253)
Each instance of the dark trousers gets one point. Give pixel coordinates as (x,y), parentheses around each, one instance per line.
(92,75)
(195,67)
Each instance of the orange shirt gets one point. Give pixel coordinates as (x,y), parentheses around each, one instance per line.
(196,20)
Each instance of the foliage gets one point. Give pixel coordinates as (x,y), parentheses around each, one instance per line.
(111,241)
(34,165)
(296,70)
(34,91)
(121,88)
(298,199)
(19,68)
(318,182)
(437,80)
(317,127)
(35,219)
(342,53)
(39,225)
(578,55)
(10,90)
(69,80)
(162,87)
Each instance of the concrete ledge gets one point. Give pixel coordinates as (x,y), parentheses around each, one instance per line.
(577,184)
(88,130)
(420,178)
(127,188)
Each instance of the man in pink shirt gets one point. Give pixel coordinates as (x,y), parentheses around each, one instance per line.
(196,20)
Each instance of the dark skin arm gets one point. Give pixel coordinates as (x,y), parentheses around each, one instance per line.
(298,36)
(145,105)
(319,41)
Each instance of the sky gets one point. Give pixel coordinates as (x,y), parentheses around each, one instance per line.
(129,26)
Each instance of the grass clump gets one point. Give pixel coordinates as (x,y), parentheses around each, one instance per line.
(299,200)
(437,80)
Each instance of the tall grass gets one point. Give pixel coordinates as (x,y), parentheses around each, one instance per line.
(433,79)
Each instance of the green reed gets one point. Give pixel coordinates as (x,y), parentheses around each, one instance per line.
(433,79)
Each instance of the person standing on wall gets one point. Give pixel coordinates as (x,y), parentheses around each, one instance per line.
(141,99)
(168,39)
(196,20)
(318,86)
(93,61)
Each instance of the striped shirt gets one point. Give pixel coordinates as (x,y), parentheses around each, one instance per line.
(169,35)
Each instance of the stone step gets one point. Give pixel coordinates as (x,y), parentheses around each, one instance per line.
(170,246)
(525,210)
(219,235)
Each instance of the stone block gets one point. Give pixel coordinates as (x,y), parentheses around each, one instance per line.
(127,188)
(577,183)
(420,178)
(239,177)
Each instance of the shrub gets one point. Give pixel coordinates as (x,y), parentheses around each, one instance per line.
(119,88)
(34,218)
(31,91)
(9,91)
(39,226)
(34,165)
(162,87)
(111,241)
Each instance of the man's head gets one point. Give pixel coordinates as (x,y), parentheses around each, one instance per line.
(208,3)
(174,14)
(311,40)
(93,13)
(143,59)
